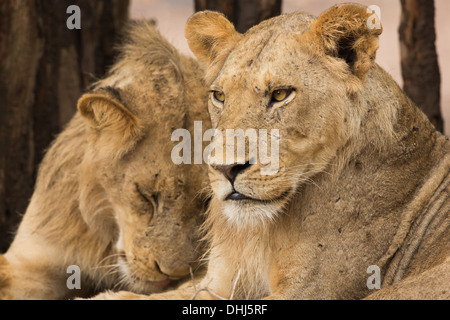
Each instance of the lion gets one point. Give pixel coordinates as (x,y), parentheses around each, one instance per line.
(363,177)
(108,198)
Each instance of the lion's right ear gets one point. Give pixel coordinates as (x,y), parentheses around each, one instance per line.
(349,32)
(107,115)
(211,36)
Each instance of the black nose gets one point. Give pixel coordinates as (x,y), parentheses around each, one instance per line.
(231,171)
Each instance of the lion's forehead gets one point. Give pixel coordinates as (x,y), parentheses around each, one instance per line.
(293,22)
(268,55)
(263,41)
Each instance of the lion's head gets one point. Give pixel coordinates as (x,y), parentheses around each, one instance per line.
(296,74)
(150,92)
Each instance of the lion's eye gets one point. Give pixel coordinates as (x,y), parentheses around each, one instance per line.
(152,200)
(219,96)
(280,95)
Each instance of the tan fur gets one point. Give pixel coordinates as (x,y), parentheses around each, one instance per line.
(214,39)
(363,178)
(108,197)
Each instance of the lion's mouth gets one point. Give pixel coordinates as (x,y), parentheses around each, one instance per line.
(237,196)
(161,283)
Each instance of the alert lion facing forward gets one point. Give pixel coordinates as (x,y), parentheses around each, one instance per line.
(363,176)
(108,198)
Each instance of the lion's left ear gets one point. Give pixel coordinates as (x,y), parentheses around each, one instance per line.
(117,127)
(349,32)
(107,114)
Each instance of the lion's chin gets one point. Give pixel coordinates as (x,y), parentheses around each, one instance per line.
(130,281)
(243,210)
(250,213)
(139,286)
(148,287)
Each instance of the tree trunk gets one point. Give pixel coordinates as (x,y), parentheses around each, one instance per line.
(243,14)
(44,69)
(420,67)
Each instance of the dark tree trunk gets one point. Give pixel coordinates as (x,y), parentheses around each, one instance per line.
(419,59)
(44,67)
(243,14)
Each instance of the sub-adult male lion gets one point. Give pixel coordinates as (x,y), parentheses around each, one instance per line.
(108,198)
(363,176)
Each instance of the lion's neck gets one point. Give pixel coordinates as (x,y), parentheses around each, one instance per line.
(415,157)
(390,179)
(240,255)
(424,225)
(56,192)
(54,217)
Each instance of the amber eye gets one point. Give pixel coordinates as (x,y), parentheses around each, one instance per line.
(219,96)
(280,95)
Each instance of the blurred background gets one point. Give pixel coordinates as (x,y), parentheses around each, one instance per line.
(45,67)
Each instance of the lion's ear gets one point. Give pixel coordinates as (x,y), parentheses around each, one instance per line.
(106,113)
(349,32)
(211,36)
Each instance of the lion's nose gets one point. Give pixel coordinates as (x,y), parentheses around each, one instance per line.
(231,171)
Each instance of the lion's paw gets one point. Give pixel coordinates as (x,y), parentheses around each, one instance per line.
(110,295)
